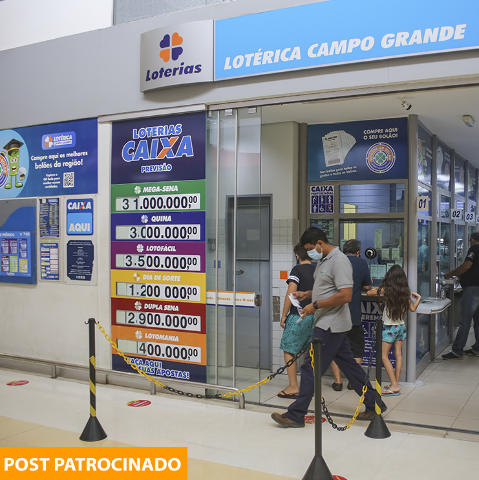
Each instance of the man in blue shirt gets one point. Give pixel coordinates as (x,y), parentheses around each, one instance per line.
(361,281)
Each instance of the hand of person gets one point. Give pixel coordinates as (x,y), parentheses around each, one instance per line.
(282,323)
(447,276)
(299,295)
(416,295)
(307,310)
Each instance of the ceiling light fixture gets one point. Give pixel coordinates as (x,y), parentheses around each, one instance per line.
(468,120)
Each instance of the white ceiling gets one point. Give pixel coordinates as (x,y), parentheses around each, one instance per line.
(440,111)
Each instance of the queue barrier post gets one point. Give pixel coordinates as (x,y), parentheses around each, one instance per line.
(93,431)
(317,470)
(378,428)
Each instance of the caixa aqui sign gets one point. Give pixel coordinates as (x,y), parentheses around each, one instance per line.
(80,216)
(176,55)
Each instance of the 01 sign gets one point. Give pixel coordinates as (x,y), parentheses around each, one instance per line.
(423,203)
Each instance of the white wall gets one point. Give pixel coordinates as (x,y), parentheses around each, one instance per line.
(279,176)
(25,22)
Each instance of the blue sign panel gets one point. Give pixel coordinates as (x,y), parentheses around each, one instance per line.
(47,160)
(159,149)
(322,199)
(341,31)
(80,256)
(368,150)
(80,216)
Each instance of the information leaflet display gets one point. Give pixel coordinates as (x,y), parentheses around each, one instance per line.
(49,261)
(49,217)
(158,281)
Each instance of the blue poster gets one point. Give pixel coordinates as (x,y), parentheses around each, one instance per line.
(366,150)
(80,216)
(80,256)
(48,160)
(159,149)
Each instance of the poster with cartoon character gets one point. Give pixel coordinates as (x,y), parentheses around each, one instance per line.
(49,160)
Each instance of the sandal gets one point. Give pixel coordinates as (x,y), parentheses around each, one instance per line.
(283,394)
(390,393)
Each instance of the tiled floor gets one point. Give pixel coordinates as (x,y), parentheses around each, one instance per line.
(226,442)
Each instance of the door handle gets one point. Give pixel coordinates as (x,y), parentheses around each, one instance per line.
(258,300)
(239,272)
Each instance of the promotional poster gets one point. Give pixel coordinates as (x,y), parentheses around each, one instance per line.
(367,150)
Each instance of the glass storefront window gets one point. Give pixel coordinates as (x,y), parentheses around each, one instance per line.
(443,165)
(459,176)
(385,236)
(423,259)
(461,243)
(471,184)
(424,156)
(444,206)
(326,225)
(444,246)
(372,198)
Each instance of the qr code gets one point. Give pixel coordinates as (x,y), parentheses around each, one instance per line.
(68,179)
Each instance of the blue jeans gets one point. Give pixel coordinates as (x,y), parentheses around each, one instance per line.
(335,347)
(469,311)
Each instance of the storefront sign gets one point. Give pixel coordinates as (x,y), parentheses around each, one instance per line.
(176,55)
(158,280)
(159,149)
(341,31)
(368,150)
(47,160)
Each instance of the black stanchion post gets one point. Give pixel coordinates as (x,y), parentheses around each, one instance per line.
(93,431)
(378,428)
(317,470)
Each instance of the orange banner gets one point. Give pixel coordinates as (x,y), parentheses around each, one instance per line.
(100,463)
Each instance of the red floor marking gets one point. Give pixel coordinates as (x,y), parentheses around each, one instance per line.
(311,419)
(18,382)
(139,403)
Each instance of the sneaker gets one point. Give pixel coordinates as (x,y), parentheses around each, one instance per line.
(451,356)
(285,422)
(472,353)
(370,414)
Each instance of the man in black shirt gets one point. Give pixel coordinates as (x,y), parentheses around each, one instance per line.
(468,274)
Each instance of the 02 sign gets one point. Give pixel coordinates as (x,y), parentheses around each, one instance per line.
(456,214)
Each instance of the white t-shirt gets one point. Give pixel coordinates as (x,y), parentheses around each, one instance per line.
(387,320)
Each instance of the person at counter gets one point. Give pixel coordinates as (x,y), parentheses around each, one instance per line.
(361,282)
(468,274)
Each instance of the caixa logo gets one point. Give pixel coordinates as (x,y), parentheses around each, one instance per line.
(170,51)
(167,145)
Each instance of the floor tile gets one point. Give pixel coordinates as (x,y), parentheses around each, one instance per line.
(431,405)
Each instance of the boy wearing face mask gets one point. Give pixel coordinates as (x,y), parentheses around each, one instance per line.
(331,294)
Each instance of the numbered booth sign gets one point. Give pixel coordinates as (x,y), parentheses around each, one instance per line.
(456,214)
(423,203)
(470,217)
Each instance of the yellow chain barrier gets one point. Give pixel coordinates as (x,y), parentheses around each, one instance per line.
(224,395)
(361,398)
(156,382)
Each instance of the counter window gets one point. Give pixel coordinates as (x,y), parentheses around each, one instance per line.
(372,198)
(385,236)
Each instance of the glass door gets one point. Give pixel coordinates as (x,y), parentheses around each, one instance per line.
(238,258)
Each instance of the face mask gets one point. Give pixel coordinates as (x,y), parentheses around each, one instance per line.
(314,255)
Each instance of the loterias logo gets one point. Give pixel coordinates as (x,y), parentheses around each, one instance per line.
(58,140)
(176,55)
(170,50)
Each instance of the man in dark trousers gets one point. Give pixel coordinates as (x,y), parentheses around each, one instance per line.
(361,282)
(468,274)
(332,291)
